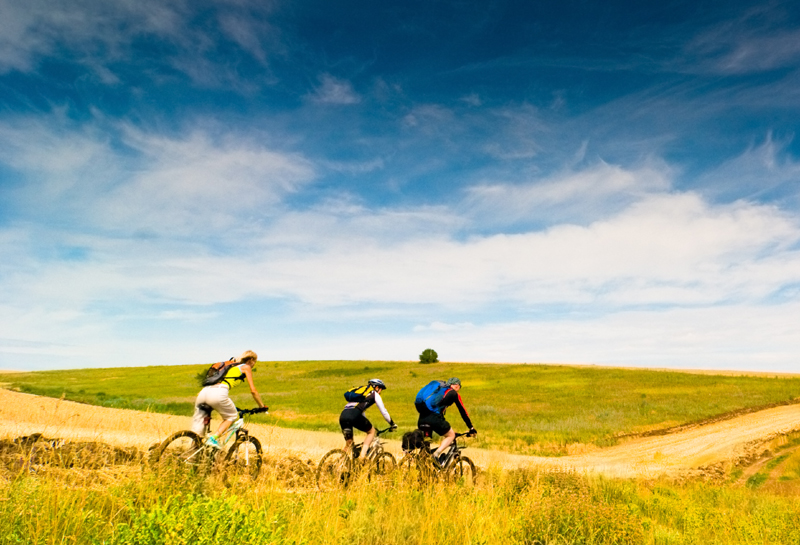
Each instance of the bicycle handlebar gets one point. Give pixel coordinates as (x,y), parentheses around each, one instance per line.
(257,410)
(387,429)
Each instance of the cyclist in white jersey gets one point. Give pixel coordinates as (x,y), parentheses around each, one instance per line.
(353,416)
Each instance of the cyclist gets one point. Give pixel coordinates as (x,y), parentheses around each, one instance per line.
(353,417)
(217,396)
(431,403)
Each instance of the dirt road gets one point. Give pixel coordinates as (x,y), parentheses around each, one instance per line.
(685,452)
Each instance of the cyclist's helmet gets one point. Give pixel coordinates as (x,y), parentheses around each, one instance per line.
(453,382)
(377,383)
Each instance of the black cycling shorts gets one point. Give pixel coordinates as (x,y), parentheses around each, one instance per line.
(435,422)
(353,418)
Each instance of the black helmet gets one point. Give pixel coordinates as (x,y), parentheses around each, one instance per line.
(377,383)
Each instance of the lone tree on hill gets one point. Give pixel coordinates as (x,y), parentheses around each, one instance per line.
(429,355)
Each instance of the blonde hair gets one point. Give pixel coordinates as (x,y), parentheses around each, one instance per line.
(248,356)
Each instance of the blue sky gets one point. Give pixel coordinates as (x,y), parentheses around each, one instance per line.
(576,182)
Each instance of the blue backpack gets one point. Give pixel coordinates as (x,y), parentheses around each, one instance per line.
(432,394)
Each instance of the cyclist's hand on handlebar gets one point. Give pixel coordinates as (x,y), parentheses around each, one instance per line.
(260,410)
(392,426)
(472,432)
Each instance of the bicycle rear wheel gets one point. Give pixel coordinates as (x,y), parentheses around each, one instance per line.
(334,470)
(463,472)
(244,457)
(181,451)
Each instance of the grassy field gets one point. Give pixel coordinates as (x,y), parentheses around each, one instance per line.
(126,506)
(527,409)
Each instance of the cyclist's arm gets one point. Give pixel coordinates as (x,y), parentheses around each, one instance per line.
(454,397)
(248,374)
(382,409)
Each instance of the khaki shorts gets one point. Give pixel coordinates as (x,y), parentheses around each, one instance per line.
(217,398)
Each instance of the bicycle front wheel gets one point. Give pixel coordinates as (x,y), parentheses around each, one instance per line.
(334,470)
(385,464)
(244,457)
(463,472)
(181,451)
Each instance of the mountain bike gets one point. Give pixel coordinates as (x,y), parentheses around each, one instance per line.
(186,450)
(338,467)
(453,468)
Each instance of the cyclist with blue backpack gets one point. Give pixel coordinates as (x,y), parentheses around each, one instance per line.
(358,401)
(431,403)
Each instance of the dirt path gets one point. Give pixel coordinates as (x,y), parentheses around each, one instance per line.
(685,452)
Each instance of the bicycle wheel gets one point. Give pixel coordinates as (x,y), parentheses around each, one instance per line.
(415,466)
(181,451)
(384,464)
(334,470)
(463,472)
(406,463)
(244,457)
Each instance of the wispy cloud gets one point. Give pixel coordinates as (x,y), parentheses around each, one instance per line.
(757,41)
(332,90)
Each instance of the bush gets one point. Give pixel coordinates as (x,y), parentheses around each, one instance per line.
(429,355)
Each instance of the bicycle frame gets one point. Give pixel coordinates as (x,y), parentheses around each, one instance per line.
(375,448)
(453,452)
(236,430)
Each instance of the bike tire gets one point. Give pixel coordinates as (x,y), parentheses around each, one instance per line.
(335,470)
(181,451)
(416,466)
(463,472)
(384,464)
(406,463)
(244,457)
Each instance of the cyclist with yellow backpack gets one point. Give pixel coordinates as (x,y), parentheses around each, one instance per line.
(358,401)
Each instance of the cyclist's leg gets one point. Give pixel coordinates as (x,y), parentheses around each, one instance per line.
(361,423)
(219,400)
(198,419)
(347,430)
(369,438)
(442,427)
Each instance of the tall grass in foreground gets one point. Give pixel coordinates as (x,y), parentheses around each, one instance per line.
(127,506)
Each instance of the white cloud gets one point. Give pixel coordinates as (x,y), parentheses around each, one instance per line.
(158,185)
(335,91)
(761,170)
(747,337)
(38,28)
(585,194)
(652,266)
(198,185)
(665,250)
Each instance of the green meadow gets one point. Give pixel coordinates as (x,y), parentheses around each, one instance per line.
(525,409)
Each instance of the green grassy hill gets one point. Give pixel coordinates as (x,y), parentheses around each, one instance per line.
(530,409)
